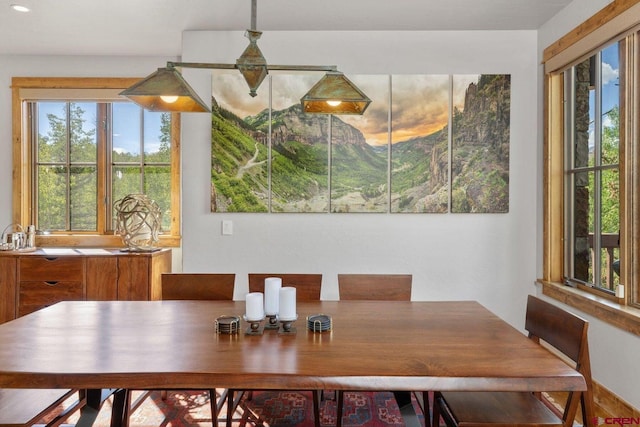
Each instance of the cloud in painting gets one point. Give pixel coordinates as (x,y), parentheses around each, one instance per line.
(232,93)
(419,105)
(374,123)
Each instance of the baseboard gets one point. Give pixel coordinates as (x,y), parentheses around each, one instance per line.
(612,404)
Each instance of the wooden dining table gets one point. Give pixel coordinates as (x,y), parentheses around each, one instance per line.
(372,345)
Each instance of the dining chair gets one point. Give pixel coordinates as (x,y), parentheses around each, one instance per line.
(26,407)
(195,286)
(308,288)
(548,325)
(381,287)
(198,286)
(378,287)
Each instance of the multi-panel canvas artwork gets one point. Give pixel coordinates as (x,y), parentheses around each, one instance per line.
(426,144)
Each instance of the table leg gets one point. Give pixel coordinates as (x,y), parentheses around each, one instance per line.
(406,408)
(89,412)
(120,409)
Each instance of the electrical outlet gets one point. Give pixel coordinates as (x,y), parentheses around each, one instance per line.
(227,227)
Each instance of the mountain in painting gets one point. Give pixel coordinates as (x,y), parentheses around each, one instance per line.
(480,166)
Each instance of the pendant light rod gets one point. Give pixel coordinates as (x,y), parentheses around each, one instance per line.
(254,15)
(209,65)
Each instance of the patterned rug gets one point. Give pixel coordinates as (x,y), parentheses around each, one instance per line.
(296,409)
(269,409)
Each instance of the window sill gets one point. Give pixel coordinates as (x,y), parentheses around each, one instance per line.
(96,240)
(618,315)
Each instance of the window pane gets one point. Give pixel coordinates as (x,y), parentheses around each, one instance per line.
(610,104)
(82,134)
(52,197)
(82,192)
(126,132)
(52,132)
(126,180)
(583,113)
(582,226)
(157,137)
(157,183)
(610,216)
(610,225)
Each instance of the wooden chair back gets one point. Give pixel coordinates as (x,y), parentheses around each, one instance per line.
(382,287)
(198,286)
(567,333)
(308,286)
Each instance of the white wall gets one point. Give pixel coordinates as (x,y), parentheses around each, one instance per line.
(487,257)
(612,350)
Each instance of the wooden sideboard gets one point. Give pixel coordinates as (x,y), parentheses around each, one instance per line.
(30,281)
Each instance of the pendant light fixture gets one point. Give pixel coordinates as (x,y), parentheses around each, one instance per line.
(167,90)
(335,94)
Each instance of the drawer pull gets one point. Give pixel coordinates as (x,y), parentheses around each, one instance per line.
(52,258)
(51,282)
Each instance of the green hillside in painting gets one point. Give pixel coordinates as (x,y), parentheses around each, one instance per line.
(239,174)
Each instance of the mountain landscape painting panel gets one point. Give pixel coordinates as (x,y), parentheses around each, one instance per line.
(426,144)
(359,152)
(239,146)
(480,143)
(419,143)
(299,148)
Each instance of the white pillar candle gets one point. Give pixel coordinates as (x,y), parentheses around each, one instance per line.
(287,303)
(272,287)
(255,307)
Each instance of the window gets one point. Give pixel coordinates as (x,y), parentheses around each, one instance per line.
(591,177)
(82,148)
(592,142)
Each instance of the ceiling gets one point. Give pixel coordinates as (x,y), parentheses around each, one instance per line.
(154,27)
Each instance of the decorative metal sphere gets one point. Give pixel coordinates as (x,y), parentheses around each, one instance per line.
(138,221)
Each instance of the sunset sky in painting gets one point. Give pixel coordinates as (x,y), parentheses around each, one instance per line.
(420,102)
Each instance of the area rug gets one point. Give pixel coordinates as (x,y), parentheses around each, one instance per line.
(286,408)
(269,409)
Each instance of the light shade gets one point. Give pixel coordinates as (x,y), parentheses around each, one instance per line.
(335,94)
(165,90)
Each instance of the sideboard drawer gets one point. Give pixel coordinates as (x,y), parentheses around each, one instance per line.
(39,268)
(36,295)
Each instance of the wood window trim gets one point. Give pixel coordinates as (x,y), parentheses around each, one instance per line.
(619,16)
(21,177)
(612,20)
(621,316)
